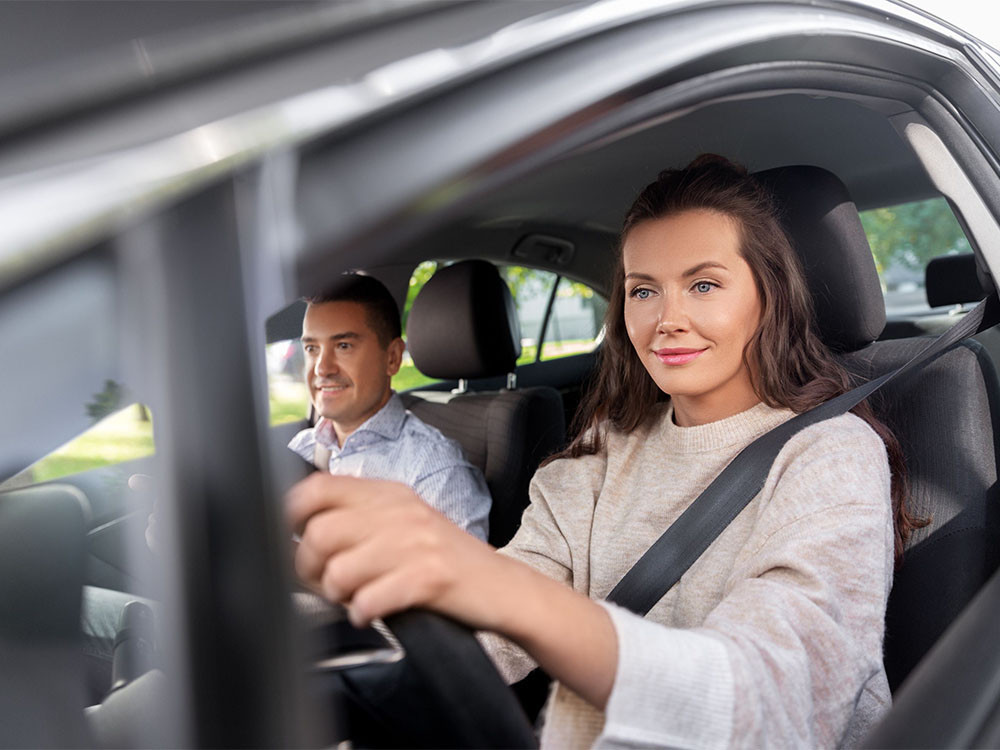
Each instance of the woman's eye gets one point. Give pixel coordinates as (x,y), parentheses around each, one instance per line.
(641,293)
(704,287)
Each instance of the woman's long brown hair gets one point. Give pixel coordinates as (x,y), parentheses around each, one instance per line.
(792,367)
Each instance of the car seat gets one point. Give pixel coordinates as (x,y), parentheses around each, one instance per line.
(42,554)
(463,325)
(944,415)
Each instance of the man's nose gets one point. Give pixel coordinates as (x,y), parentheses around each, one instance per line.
(326,364)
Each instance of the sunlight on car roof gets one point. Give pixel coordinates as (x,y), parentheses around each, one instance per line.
(973,16)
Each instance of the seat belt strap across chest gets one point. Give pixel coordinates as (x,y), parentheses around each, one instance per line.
(663,564)
(321,457)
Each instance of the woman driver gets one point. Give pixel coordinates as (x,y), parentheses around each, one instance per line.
(774,636)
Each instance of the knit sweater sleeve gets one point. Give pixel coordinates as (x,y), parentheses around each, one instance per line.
(551,539)
(783,659)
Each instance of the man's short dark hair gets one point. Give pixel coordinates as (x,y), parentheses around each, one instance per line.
(380,306)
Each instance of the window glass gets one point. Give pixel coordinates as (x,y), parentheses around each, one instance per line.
(903,239)
(574,324)
(574,327)
(118,435)
(531,289)
(409,376)
(288,395)
(576,321)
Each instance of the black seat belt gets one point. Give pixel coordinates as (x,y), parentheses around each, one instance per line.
(696,528)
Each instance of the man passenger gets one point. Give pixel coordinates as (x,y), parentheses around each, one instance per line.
(352,344)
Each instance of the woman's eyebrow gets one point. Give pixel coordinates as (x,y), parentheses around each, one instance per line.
(640,276)
(701,267)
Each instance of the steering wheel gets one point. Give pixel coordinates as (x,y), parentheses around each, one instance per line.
(444,693)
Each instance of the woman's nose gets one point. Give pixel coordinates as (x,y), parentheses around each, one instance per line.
(672,314)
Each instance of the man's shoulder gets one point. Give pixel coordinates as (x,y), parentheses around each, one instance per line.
(304,439)
(429,443)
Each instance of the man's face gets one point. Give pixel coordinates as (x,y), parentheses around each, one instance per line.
(347,370)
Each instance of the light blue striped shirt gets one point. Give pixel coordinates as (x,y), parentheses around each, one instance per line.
(394,444)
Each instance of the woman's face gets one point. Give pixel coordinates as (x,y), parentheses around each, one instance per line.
(691,306)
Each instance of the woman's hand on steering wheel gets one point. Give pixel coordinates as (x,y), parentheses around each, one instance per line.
(376,547)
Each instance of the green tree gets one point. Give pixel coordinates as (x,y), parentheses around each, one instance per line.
(527,282)
(912,233)
(106,402)
(420,276)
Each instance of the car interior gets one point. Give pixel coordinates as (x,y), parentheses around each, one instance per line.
(833,126)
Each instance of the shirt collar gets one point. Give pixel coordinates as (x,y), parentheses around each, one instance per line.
(387,422)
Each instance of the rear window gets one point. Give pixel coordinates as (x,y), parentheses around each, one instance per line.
(903,239)
(559,317)
(576,321)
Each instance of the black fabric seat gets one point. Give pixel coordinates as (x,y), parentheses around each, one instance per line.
(944,416)
(42,555)
(463,325)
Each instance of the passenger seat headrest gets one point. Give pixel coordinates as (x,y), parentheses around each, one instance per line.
(823,226)
(463,324)
(953,280)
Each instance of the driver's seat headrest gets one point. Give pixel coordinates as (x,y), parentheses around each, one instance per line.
(463,324)
(823,225)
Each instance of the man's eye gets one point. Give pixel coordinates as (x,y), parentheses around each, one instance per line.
(342,345)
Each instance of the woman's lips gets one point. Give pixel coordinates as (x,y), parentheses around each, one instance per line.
(677,356)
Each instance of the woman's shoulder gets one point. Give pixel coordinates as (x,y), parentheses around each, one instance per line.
(839,445)
(837,463)
(610,440)
(844,429)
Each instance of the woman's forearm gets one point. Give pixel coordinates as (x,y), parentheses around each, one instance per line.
(378,548)
(571,637)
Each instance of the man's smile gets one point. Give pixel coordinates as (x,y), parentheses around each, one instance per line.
(329,390)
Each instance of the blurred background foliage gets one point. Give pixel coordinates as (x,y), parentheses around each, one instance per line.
(911,234)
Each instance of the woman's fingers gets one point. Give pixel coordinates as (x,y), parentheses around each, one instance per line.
(393,592)
(339,519)
(379,548)
(331,533)
(373,583)
(321,492)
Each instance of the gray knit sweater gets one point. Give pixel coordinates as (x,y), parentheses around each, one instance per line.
(773,638)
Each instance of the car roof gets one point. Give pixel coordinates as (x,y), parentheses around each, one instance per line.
(578,195)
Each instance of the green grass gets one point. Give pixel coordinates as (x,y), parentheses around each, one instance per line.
(410,377)
(555,350)
(566,348)
(528,354)
(123,436)
(289,401)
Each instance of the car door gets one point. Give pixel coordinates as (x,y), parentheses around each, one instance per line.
(155,216)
